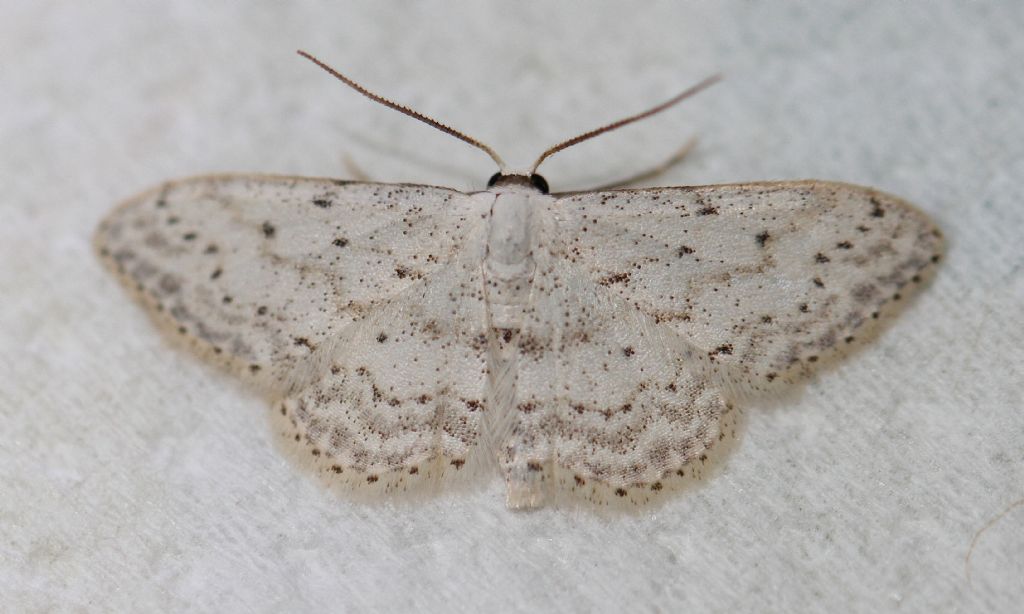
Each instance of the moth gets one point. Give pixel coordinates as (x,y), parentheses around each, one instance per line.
(587,342)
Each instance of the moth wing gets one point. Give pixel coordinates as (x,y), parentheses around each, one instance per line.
(765,278)
(607,399)
(258,271)
(402,391)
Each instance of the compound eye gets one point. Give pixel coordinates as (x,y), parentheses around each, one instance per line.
(539,182)
(493,180)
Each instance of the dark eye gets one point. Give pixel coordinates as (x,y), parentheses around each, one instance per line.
(539,182)
(493,180)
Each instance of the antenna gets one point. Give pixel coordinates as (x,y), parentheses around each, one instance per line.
(622,122)
(407,111)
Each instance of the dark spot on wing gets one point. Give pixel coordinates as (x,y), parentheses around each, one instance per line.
(876,208)
(304,342)
(722,349)
(169,284)
(616,278)
(862,293)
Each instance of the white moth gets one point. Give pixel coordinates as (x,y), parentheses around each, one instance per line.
(584,343)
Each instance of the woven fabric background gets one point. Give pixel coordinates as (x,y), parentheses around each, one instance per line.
(135,478)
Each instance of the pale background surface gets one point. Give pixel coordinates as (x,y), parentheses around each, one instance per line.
(135,478)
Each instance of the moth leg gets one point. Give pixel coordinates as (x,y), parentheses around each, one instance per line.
(651,173)
(353,170)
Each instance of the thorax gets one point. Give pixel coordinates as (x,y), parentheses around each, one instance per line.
(508,266)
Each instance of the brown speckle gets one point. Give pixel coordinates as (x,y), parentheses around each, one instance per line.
(722,349)
(616,278)
(303,341)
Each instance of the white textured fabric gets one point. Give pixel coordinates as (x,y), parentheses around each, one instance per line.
(134,477)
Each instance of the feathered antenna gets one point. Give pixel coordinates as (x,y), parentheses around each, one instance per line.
(407,111)
(628,120)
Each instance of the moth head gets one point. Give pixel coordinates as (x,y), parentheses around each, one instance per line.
(533,180)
